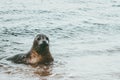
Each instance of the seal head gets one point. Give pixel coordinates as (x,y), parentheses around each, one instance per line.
(41,43)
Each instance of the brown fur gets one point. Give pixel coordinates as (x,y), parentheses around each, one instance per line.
(34,58)
(39,57)
(39,53)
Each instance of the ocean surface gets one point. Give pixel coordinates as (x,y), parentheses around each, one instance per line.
(84,38)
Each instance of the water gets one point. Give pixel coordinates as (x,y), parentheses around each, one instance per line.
(84,38)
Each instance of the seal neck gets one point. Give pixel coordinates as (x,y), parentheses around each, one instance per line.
(41,50)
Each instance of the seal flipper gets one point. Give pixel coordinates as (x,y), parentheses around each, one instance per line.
(19,58)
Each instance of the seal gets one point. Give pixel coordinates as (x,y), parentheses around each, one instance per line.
(38,54)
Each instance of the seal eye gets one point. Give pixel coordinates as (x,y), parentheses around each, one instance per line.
(38,38)
(47,38)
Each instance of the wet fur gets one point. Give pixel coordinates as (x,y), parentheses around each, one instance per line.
(37,55)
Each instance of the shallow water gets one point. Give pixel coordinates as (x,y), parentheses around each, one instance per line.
(84,38)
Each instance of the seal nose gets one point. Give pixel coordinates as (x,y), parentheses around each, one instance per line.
(44,42)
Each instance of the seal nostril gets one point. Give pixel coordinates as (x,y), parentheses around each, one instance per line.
(44,42)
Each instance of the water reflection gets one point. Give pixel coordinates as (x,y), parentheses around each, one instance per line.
(44,70)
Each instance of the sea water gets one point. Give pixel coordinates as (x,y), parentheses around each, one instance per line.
(84,38)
